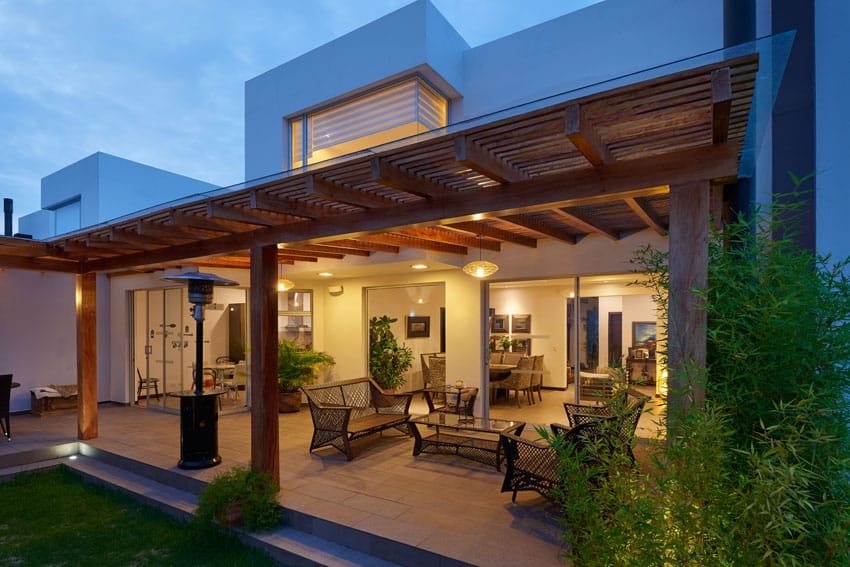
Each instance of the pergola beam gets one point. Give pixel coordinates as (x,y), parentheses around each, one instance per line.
(395,177)
(494,232)
(582,222)
(646,215)
(440,235)
(721,104)
(318,187)
(471,155)
(541,227)
(584,137)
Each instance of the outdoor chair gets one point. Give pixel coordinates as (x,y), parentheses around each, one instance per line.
(533,465)
(461,401)
(537,376)
(518,381)
(626,406)
(5,395)
(436,377)
(146,384)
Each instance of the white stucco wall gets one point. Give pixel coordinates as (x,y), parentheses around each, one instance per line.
(107,187)
(38,334)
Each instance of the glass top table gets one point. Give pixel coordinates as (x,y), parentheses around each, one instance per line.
(465,436)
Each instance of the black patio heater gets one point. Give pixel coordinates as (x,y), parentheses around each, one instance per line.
(199,410)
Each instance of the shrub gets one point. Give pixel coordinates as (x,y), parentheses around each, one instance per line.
(760,474)
(250,494)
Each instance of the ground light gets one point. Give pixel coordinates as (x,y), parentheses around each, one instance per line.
(199,410)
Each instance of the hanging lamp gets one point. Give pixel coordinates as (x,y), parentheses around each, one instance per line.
(283,284)
(480,268)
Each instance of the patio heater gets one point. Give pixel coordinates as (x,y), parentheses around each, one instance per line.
(199,410)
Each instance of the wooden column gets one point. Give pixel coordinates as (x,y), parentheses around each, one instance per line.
(264,400)
(86,356)
(686,341)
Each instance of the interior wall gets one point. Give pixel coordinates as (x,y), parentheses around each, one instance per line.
(402,302)
(38,331)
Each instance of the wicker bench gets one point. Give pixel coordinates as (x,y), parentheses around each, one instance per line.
(346,410)
(63,398)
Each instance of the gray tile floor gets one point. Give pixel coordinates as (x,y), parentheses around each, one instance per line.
(441,503)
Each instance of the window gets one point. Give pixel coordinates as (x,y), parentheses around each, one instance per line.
(295,317)
(391,113)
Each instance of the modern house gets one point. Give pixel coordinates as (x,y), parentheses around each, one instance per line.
(380,164)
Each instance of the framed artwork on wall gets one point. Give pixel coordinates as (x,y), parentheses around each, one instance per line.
(643,334)
(523,346)
(499,324)
(418,327)
(521,324)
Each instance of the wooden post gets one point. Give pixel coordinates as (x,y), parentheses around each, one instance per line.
(86,356)
(265,443)
(686,340)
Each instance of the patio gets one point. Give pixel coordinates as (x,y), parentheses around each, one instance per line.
(448,506)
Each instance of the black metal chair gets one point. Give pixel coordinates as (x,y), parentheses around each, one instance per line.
(533,465)
(5,394)
(626,407)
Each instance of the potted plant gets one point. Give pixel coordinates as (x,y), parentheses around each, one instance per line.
(388,360)
(240,497)
(294,369)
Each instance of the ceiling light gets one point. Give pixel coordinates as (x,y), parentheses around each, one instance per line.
(419,266)
(283,284)
(480,268)
(325,274)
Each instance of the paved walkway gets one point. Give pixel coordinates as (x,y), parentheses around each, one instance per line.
(450,506)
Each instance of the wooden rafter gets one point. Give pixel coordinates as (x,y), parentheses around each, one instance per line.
(584,137)
(147,228)
(646,215)
(441,235)
(579,220)
(363,245)
(541,227)
(333,249)
(318,187)
(207,223)
(411,242)
(395,177)
(242,214)
(494,232)
(264,201)
(471,155)
(721,104)
(120,235)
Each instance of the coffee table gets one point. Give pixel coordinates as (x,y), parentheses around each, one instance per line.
(465,436)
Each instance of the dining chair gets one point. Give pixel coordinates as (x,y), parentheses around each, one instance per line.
(5,395)
(512,357)
(537,376)
(146,384)
(496,357)
(518,381)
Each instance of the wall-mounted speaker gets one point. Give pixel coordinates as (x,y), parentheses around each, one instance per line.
(335,290)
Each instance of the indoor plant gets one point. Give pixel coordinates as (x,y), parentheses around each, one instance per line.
(240,496)
(294,369)
(388,360)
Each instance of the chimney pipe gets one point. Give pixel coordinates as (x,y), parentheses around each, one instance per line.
(7,217)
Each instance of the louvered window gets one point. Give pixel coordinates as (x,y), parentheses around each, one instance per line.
(391,113)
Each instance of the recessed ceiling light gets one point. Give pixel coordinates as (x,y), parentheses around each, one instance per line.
(419,266)
(325,274)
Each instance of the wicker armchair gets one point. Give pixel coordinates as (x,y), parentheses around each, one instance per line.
(518,381)
(533,465)
(461,401)
(537,376)
(346,410)
(627,406)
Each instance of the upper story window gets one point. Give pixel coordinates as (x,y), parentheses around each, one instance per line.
(391,113)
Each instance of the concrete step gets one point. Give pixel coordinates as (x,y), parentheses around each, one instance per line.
(285,544)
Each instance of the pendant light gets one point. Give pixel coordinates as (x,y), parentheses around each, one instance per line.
(283,284)
(480,268)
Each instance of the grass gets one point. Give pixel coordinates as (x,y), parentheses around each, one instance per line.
(53,517)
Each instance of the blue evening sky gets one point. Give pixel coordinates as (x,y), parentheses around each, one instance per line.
(161,81)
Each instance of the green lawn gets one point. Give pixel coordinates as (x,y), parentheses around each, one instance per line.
(53,517)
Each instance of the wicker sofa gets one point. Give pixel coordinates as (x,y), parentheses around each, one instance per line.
(45,400)
(345,410)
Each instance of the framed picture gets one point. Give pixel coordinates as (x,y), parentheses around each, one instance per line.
(643,334)
(521,324)
(418,327)
(499,324)
(523,346)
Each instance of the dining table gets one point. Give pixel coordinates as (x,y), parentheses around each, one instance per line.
(499,371)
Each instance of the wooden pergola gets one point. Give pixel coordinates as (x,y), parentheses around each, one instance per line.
(651,155)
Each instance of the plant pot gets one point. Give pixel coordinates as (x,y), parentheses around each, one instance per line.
(289,402)
(231,516)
